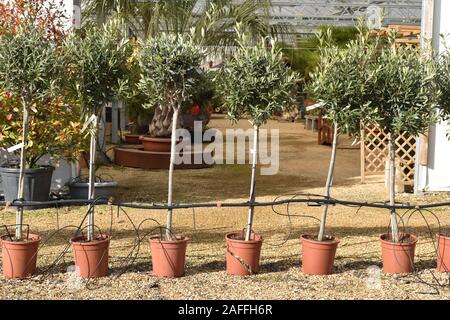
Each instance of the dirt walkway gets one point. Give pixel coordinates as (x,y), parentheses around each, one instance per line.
(303,165)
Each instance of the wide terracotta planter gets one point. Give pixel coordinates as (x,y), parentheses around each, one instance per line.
(243,256)
(19,257)
(398,257)
(318,256)
(155,144)
(132,138)
(91,257)
(168,256)
(443,259)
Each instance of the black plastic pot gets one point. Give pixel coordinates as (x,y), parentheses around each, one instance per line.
(80,190)
(37,183)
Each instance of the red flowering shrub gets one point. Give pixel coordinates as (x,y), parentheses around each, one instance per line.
(54,125)
(47,15)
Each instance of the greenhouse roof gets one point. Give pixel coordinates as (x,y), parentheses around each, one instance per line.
(304,16)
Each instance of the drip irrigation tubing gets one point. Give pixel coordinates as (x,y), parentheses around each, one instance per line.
(311,200)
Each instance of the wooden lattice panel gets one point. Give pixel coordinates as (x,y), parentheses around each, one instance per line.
(406,155)
(374,142)
(374,152)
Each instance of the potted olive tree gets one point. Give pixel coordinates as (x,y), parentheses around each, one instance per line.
(171,69)
(340,83)
(254,82)
(443,238)
(97,58)
(404,100)
(31,73)
(50,132)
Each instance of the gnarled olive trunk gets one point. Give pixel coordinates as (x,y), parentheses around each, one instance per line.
(161,125)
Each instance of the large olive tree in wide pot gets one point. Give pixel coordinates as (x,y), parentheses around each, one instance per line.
(30,72)
(254,83)
(171,69)
(405,100)
(97,58)
(341,84)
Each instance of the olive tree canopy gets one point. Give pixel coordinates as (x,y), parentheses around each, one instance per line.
(341,81)
(255,81)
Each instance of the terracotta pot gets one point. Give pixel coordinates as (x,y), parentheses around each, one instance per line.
(19,257)
(318,256)
(443,259)
(168,256)
(91,257)
(243,256)
(156,144)
(398,257)
(132,138)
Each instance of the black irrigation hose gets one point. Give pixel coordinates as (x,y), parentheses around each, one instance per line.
(311,201)
(435,285)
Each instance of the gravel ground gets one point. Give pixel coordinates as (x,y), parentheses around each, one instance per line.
(280,276)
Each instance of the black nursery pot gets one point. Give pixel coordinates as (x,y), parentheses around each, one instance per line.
(36,185)
(80,190)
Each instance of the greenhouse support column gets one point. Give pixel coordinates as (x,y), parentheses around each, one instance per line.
(92,177)
(21,187)
(251,208)
(171,168)
(328,184)
(394,226)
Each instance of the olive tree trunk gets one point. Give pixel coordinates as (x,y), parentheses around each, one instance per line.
(329,184)
(91,190)
(392,173)
(161,123)
(171,168)
(23,162)
(251,208)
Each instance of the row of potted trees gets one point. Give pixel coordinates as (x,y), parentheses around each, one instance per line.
(375,82)
(55,84)
(370,82)
(364,83)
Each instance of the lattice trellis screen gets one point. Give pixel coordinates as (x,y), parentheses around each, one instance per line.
(374,152)
(374,142)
